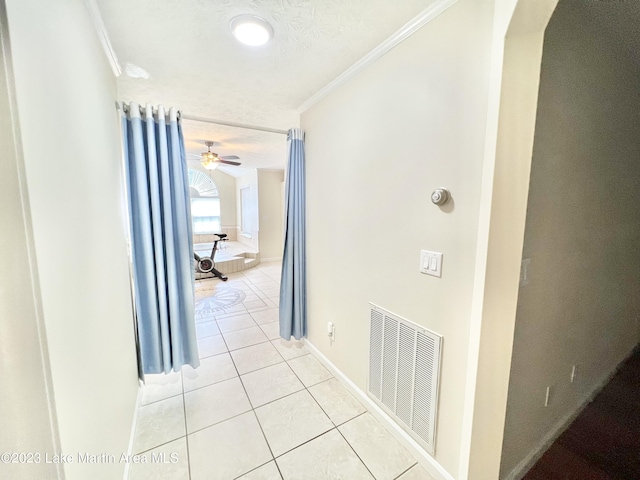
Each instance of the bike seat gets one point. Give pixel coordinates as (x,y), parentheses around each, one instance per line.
(221,235)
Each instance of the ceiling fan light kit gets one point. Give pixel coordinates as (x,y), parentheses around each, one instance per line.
(251,30)
(210,160)
(209,164)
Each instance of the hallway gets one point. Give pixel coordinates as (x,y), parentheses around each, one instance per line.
(258,407)
(603,443)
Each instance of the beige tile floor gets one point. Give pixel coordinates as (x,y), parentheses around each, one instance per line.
(258,407)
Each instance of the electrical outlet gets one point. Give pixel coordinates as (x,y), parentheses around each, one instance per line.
(331,331)
(547,396)
(525,266)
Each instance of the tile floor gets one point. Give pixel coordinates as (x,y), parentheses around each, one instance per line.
(258,407)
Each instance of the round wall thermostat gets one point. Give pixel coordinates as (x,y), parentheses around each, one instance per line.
(440,196)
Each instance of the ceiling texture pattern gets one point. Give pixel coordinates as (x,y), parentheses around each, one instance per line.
(195,64)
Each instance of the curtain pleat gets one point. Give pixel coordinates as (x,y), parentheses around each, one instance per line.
(161,238)
(293,287)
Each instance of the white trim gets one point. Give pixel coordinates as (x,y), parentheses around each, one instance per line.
(101,30)
(427,461)
(394,40)
(534,455)
(133,431)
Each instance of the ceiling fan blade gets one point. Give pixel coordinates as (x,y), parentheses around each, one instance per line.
(229,157)
(229,163)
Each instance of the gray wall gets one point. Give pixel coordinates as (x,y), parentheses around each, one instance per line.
(582,232)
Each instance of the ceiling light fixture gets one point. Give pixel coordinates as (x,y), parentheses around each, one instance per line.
(251,30)
(209,159)
(209,164)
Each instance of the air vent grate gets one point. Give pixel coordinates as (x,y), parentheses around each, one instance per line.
(404,366)
(375,353)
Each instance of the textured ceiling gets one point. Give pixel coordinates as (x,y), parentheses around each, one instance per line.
(195,64)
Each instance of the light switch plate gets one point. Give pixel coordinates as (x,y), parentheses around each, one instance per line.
(431,263)
(525,268)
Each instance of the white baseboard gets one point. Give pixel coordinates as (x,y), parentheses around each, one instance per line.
(271,259)
(430,464)
(133,430)
(530,460)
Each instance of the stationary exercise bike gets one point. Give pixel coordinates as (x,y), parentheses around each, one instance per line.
(205,264)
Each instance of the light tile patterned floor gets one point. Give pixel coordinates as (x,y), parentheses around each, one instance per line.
(258,407)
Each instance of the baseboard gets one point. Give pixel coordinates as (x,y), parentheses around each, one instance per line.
(429,463)
(271,259)
(133,430)
(521,469)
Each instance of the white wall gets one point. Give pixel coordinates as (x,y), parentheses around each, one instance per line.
(515,71)
(227,190)
(66,96)
(270,210)
(376,148)
(249,180)
(582,231)
(27,411)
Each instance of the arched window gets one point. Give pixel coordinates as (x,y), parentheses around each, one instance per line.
(205,203)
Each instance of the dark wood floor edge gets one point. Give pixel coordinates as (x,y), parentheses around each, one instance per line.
(522,468)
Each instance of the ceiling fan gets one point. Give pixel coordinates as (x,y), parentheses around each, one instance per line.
(210,160)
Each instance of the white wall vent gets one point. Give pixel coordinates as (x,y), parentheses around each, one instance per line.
(404,373)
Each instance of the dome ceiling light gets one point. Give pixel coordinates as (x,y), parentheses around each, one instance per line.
(251,30)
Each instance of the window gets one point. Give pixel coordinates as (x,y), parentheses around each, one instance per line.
(205,215)
(205,203)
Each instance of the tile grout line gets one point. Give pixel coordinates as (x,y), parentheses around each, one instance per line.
(260,406)
(314,399)
(305,442)
(254,408)
(344,423)
(161,444)
(245,373)
(250,404)
(356,453)
(160,400)
(186,431)
(254,469)
(398,477)
(335,427)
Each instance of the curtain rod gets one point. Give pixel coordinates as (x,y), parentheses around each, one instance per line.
(233,124)
(211,120)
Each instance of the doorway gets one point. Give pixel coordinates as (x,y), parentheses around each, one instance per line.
(577,310)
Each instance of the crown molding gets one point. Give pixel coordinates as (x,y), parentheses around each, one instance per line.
(394,40)
(101,30)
